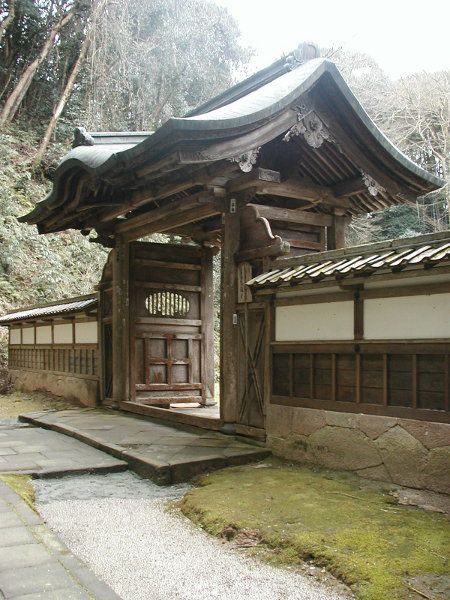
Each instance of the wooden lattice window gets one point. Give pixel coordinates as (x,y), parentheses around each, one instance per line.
(379,380)
(167,304)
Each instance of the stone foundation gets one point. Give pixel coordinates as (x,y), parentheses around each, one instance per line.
(406,452)
(79,390)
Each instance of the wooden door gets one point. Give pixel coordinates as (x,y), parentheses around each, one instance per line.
(251,408)
(170,324)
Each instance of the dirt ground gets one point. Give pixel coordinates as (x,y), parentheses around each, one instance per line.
(15,403)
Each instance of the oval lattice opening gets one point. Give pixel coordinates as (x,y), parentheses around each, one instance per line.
(167,304)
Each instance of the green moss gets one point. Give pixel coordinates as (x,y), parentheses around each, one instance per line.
(21,485)
(351,526)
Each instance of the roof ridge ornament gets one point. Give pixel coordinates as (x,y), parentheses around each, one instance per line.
(81,137)
(246,160)
(373,187)
(309,125)
(303,53)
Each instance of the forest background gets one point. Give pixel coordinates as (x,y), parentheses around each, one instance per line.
(115,65)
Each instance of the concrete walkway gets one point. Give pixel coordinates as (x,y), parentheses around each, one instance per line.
(35,564)
(49,454)
(152,448)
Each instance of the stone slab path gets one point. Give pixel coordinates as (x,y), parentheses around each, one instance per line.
(35,564)
(152,448)
(44,453)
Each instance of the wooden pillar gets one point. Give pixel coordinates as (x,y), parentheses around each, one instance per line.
(207,316)
(121,322)
(336,233)
(269,336)
(228,314)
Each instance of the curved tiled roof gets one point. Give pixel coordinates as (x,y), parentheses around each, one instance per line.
(391,256)
(109,155)
(69,305)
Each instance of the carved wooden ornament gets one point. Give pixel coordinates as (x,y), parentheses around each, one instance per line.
(373,187)
(310,125)
(247,160)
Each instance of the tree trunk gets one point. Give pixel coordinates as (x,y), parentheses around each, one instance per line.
(65,95)
(9,18)
(14,100)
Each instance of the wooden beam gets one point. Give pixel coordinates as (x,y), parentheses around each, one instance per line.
(288,215)
(248,179)
(349,187)
(298,189)
(155,192)
(279,248)
(169,223)
(169,217)
(156,214)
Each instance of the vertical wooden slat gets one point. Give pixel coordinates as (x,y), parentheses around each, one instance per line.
(414,382)
(190,355)
(385,379)
(447,383)
(358,378)
(333,377)
(169,356)
(207,326)
(358,316)
(291,374)
(146,349)
(311,375)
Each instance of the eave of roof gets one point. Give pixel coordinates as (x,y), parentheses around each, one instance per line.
(244,114)
(391,256)
(59,307)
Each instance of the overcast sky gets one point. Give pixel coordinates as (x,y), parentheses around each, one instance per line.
(402,36)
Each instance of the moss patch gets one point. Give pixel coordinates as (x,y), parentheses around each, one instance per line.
(21,485)
(351,526)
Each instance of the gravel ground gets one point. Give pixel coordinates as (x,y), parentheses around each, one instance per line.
(120,526)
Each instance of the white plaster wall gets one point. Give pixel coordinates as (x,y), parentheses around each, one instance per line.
(86,333)
(314,322)
(44,334)
(14,336)
(63,333)
(407,317)
(28,335)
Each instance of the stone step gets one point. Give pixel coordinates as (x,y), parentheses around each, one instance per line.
(153,449)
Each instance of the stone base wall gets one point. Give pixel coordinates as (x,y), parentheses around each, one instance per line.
(76,389)
(403,451)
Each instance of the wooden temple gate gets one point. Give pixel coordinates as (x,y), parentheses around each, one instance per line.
(274,167)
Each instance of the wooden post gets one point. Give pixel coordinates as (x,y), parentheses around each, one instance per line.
(228,315)
(336,233)
(207,317)
(121,320)
(269,335)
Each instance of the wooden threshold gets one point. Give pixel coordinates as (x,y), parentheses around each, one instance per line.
(254,432)
(166,414)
